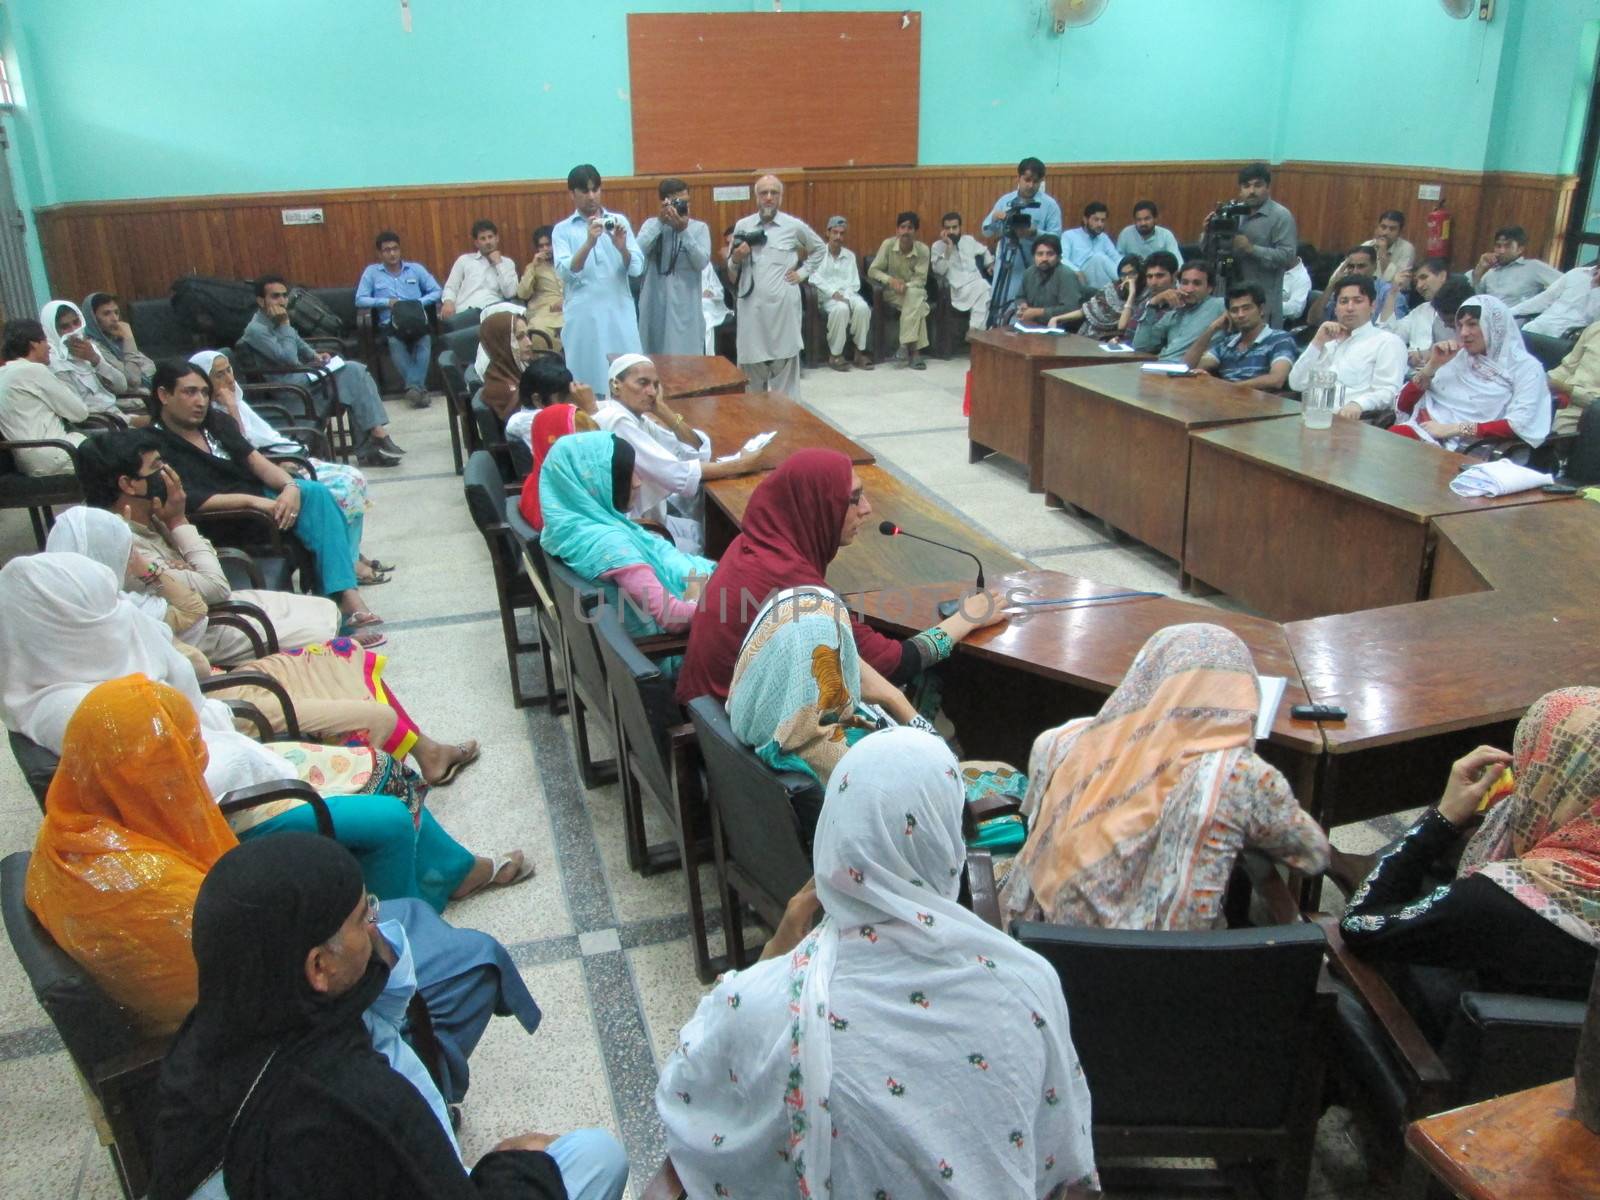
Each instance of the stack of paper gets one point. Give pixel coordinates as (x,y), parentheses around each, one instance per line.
(1272,689)
(754,446)
(1165,368)
(1499,478)
(1021,328)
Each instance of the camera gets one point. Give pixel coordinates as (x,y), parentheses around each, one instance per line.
(1226,216)
(611,224)
(750,237)
(1017,215)
(682,206)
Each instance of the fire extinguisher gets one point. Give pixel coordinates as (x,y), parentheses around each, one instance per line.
(1439,231)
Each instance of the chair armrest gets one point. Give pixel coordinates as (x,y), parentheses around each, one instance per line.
(245,559)
(102,420)
(250,612)
(308,407)
(681,737)
(43,444)
(543,337)
(279,789)
(111,1074)
(316,371)
(980,881)
(660,645)
(301,463)
(266,683)
(230,620)
(665,1184)
(1414,1050)
(270,532)
(243,710)
(314,441)
(1270,888)
(331,345)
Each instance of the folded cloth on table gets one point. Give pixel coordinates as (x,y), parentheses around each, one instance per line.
(1499,478)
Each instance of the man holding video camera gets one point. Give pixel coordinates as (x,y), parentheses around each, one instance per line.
(1258,236)
(595,253)
(676,250)
(766,275)
(1019,216)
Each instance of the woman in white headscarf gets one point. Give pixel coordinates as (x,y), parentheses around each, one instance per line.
(77,361)
(902,1039)
(1484,384)
(68,628)
(106,538)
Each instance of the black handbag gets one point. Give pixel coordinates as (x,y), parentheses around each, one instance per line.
(408,320)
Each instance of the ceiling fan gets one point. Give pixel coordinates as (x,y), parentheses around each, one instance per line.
(1075,12)
(1461,10)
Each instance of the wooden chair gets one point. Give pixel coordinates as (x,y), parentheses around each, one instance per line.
(41,495)
(761,858)
(661,759)
(588,701)
(538,576)
(118,1065)
(489,504)
(1198,1044)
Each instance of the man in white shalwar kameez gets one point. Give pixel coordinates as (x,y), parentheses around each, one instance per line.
(676,251)
(766,286)
(595,253)
(957,260)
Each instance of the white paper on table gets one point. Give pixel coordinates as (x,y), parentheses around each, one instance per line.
(754,446)
(334,362)
(1272,689)
(1021,328)
(1499,478)
(1116,347)
(1165,368)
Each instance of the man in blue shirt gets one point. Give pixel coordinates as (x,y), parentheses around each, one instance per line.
(1036,213)
(1089,250)
(383,285)
(1241,347)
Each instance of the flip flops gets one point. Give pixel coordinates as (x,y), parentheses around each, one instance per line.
(362,619)
(498,863)
(469,755)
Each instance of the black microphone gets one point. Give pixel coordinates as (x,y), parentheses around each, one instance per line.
(946,608)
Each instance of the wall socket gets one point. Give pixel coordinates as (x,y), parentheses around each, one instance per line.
(1428,191)
(302,216)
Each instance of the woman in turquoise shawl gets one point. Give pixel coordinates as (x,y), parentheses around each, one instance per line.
(585,490)
(797,700)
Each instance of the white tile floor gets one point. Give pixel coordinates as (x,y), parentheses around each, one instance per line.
(603,950)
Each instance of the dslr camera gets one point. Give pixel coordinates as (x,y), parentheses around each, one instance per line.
(1227,216)
(682,206)
(750,237)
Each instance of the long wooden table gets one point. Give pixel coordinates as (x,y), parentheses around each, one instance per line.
(1299,522)
(1008,394)
(1529,1145)
(684,375)
(1116,442)
(730,420)
(874,560)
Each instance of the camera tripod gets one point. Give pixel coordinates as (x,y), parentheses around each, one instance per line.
(1009,260)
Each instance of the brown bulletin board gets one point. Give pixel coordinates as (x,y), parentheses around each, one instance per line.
(741,91)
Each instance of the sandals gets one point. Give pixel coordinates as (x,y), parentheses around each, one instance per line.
(379,566)
(498,863)
(362,619)
(370,640)
(469,755)
(374,579)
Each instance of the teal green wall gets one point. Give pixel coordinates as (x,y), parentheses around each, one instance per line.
(186,97)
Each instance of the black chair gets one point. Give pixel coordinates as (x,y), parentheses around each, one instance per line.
(761,860)
(456,401)
(463,343)
(489,433)
(1496,1043)
(526,539)
(466,319)
(118,1065)
(41,495)
(486,495)
(281,560)
(588,701)
(341,302)
(659,756)
(1198,1044)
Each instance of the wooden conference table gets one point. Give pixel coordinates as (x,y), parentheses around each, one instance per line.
(684,375)
(1008,394)
(1299,522)
(1116,443)
(730,420)
(1529,1145)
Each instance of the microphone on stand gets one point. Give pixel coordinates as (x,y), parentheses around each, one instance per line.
(946,608)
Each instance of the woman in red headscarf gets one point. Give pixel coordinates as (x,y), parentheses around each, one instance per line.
(550,424)
(797,519)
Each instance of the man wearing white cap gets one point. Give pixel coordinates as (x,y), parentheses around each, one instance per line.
(671,458)
(838,284)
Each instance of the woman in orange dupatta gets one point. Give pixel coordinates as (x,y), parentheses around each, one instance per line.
(129,833)
(1136,815)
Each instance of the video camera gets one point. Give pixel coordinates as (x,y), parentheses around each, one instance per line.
(1227,214)
(1017,215)
(750,237)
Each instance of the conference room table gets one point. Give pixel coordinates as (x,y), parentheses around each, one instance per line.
(1297,522)
(1116,442)
(1007,415)
(732,419)
(684,375)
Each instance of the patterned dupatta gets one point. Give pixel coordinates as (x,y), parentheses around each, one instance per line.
(1542,843)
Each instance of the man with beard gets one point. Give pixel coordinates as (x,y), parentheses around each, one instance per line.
(762,267)
(1047,290)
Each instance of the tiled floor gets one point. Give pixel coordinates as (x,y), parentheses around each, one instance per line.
(604,951)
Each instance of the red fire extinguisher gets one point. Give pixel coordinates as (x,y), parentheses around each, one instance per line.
(1439,231)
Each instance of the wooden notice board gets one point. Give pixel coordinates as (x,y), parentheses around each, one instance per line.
(742,91)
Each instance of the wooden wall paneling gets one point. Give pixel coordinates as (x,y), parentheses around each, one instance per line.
(683,65)
(137,248)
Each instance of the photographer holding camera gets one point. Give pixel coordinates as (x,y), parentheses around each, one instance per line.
(595,253)
(676,250)
(762,266)
(1020,216)
(1261,242)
